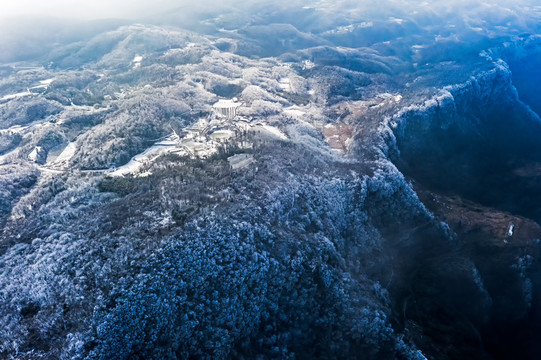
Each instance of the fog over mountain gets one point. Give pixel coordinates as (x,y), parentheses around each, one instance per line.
(89,10)
(257,180)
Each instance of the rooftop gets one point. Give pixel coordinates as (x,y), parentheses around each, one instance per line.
(225,104)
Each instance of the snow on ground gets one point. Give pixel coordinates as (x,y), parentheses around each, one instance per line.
(294,111)
(341,30)
(285,84)
(307,65)
(137,162)
(15,96)
(510,229)
(144,174)
(222,134)
(34,154)
(130,168)
(168,145)
(66,154)
(43,85)
(46,82)
(16,129)
(137,61)
(49,170)
(271,130)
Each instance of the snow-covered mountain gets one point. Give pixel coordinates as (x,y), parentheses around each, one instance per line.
(324,180)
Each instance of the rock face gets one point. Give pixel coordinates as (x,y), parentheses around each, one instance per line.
(374,201)
(476,144)
(476,139)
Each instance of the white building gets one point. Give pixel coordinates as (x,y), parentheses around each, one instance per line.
(227,108)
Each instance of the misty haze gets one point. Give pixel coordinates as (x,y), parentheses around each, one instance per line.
(270,180)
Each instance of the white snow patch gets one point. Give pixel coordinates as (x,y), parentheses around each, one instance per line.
(66,154)
(168,145)
(273,131)
(43,85)
(307,64)
(49,170)
(15,96)
(222,134)
(34,154)
(510,229)
(145,174)
(294,111)
(46,82)
(285,84)
(341,30)
(130,168)
(137,61)
(16,129)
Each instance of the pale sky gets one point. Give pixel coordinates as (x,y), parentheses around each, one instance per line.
(88,9)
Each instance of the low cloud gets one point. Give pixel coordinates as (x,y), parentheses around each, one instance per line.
(94,9)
